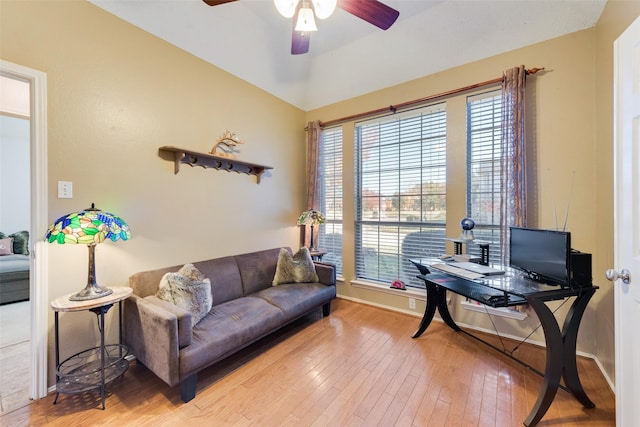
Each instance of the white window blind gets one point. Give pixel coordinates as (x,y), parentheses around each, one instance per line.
(484,157)
(400,193)
(330,234)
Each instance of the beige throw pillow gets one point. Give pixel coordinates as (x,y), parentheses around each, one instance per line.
(296,268)
(189,290)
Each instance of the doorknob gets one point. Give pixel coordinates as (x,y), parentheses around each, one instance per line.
(613,275)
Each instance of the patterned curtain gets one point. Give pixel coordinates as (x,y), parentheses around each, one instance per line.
(513,203)
(314,132)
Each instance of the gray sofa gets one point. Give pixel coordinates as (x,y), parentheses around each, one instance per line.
(246,308)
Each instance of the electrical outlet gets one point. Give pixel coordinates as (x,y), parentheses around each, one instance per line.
(65,190)
(412,303)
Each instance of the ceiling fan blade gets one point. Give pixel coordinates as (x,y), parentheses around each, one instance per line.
(299,42)
(217,2)
(372,11)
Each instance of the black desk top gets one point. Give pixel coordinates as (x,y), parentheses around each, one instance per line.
(513,286)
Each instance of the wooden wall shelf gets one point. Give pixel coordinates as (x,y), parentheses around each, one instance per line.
(195,158)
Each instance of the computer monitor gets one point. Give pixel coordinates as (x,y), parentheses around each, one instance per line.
(544,255)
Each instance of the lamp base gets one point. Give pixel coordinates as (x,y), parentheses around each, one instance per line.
(91,291)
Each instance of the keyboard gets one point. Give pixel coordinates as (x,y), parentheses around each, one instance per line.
(456,271)
(477,268)
(477,292)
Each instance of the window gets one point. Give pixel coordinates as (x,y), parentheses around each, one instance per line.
(484,157)
(330,233)
(400,193)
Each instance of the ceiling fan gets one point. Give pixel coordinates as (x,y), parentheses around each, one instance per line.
(372,11)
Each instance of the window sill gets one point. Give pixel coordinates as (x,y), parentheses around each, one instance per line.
(419,294)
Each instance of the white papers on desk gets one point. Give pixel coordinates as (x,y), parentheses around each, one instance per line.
(478,268)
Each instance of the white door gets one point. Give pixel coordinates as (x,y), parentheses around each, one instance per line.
(627,224)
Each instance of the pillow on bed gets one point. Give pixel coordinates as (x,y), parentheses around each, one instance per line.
(6,246)
(189,290)
(297,268)
(20,242)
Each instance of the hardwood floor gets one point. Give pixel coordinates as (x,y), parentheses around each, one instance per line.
(358,367)
(15,351)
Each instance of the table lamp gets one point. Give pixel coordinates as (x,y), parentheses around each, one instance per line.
(88,227)
(311,217)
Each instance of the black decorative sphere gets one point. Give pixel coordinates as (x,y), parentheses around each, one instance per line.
(467,224)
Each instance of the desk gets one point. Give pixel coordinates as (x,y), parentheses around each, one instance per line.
(516,290)
(96,367)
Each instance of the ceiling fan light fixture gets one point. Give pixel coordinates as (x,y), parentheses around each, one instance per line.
(305,22)
(287,8)
(324,8)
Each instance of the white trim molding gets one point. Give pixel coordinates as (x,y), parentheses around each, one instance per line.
(38,289)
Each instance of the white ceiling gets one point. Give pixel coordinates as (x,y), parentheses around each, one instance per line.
(348,56)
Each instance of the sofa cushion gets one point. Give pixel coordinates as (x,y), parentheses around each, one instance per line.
(226,282)
(189,290)
(296,268)
(226,329)
(296,299)
(257,269)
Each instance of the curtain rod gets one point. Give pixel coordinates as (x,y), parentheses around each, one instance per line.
(394,108)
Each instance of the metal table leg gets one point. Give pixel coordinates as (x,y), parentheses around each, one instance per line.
(57,346)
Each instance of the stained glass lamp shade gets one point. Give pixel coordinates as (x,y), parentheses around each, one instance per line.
(311,217)
(88,227)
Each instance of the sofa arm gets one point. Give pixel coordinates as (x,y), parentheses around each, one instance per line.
(326,273)
(185,328)
(151,334)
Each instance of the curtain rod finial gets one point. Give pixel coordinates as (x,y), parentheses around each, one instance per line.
(534,70)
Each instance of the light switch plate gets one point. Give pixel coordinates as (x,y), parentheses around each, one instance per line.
(65,190)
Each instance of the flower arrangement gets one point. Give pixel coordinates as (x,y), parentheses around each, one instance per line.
(311,217)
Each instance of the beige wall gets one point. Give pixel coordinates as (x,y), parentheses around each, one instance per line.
(569,132)
(116,94)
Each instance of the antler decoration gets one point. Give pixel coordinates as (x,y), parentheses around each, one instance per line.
(229,139)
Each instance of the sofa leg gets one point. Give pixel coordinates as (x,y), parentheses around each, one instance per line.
(326,309)
(188,387)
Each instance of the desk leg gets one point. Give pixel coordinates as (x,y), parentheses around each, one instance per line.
(436,298)
(443,309)
(553,369)
(429,311)
(561,355)
(570,335)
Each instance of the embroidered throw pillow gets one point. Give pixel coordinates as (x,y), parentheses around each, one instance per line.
(189,290)
(6,246)
(296,268)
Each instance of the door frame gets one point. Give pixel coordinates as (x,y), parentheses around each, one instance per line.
(38,289)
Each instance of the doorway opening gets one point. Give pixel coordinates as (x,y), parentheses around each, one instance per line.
(33,123)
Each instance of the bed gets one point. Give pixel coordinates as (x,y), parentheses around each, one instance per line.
(14,278)
(14,269)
